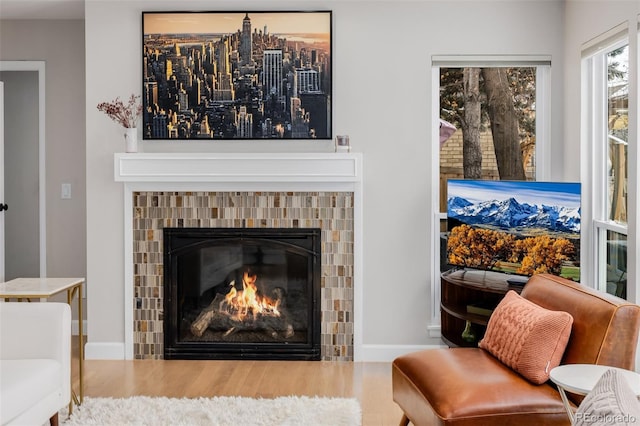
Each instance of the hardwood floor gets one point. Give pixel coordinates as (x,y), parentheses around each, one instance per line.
(369,382)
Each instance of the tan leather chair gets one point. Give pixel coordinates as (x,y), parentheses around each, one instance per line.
(468,386)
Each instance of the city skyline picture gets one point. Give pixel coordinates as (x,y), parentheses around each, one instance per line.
(245,75)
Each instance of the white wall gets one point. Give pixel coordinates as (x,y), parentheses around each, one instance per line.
(382,100)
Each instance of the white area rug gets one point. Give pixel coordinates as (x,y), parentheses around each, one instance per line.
(218,411)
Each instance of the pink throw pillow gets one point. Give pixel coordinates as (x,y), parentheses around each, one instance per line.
(526,337)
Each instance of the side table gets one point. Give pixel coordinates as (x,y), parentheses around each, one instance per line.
(25,289)
(580,379)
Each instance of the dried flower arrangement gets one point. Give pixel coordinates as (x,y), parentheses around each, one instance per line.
(124,114)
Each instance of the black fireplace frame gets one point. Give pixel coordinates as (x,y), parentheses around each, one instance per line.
(184,239)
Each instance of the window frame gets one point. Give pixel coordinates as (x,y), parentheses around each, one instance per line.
(542,151)
(594,118)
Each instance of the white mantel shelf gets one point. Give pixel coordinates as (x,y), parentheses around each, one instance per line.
(238,167)
(238,172)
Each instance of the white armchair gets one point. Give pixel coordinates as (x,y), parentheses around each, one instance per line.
(35,362)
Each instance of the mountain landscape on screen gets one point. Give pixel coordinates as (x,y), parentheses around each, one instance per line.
(510,214)
(519,227)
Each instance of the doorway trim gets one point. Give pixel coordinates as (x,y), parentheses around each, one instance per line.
(38,66)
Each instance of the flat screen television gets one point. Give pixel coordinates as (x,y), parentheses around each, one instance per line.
(515,227)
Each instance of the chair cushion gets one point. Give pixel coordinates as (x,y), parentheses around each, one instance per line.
(526,337)
(469,386)
(26,382)
(610,402)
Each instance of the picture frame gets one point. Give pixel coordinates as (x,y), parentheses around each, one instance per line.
(237,75)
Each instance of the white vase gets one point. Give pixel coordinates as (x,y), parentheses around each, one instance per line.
(131,139)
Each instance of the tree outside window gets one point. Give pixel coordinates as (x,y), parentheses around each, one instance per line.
(617,132)
(495,112)
(614,258)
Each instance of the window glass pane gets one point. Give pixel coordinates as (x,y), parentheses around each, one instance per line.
(617,132)
(444,265)
(616,254)
(471,99)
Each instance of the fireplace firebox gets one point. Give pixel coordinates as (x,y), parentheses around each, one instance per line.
(242,293)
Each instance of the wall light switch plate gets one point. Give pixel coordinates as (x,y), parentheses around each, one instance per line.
(66,191)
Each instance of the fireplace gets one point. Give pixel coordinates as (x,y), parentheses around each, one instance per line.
(241,190)
(242,293)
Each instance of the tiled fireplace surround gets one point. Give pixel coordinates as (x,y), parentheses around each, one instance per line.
(242,190)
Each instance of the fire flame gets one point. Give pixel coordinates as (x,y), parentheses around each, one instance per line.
(247,301)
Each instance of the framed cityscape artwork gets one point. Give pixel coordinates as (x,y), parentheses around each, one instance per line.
(236,75)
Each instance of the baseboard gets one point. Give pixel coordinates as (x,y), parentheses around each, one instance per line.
(387,353)
(113,350)
(434,331)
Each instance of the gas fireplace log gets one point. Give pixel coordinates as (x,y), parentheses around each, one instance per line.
(287,332)
(216,314)
(280,295)
(201,323)
(273,326)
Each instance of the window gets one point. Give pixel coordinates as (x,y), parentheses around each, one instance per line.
(617,63)
(457,92)
(606,88)
(527,80)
